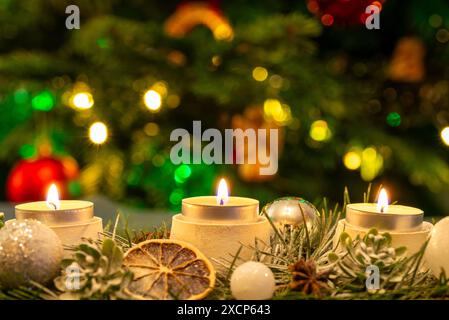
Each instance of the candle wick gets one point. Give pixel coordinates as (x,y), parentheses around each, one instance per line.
(221,202)
(53,205)
(382,209)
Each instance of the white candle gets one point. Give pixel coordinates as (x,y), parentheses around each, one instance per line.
(405,224)
(383,216)
(221,207)
(219,225)
(54,211)
(72,220)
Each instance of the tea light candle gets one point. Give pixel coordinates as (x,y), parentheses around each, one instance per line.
(219,225)
(221,207)
(383,216)
(405,224)
(72,220)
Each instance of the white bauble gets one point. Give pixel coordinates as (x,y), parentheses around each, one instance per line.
(29,250)
(252,281)
(437,251)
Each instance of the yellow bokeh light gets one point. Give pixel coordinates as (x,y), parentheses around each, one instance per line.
(151,129)
(160,87)
(223,31)
(272,107)
(216,60)
(173,101)
(260,73)
(82,100)
(98,133)
(152,100)
(372,164)
(445,135)
(369,154)
(319,131)
(352,160)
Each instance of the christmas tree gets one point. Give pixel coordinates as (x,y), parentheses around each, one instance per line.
(93,108)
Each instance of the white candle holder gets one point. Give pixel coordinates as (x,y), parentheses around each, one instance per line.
(219,231)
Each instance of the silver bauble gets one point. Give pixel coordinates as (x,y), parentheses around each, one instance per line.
(29,250)
(291,211)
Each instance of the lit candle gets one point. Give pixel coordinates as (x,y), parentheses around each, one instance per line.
(219,225)
(72,220)
(221,207)
(404,224)
(54,211)
(383,216)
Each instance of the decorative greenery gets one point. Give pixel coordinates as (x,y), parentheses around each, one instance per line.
(304,260)
(94,272)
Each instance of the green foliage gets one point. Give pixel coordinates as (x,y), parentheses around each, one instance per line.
(100,272)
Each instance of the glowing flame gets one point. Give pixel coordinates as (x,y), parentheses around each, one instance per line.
(53,198)
(382,202)
(222,192)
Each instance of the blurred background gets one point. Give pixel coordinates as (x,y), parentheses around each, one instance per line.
(92,109)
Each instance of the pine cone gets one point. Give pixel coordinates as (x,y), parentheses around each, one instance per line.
(307,279)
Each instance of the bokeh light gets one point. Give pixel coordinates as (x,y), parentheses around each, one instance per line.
(151,129)
(372,164)
(43,101)
(352,160)
(152,100)
(82,100)
(260,74)
(445,135)
(319,131)
(394,119)
(182,173)
(98,133)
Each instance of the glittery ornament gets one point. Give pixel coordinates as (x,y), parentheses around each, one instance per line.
(290,211)
(29,250)
(437,251)
(252,281)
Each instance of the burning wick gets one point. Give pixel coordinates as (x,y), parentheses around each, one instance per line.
(222,193)
(53,198)
(382,202)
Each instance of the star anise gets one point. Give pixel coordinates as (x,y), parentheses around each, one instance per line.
(307,279)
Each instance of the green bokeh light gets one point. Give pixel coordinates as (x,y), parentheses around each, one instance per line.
(43,101)
(176,196)
(182,173)
(394,119)
(27,151)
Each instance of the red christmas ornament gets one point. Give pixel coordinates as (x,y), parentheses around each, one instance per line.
(342,12)
(30,179)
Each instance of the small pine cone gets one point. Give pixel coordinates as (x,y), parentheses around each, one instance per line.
(306,279)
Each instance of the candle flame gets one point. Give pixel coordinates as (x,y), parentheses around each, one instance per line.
(53,198)
(382,202)
(222,192)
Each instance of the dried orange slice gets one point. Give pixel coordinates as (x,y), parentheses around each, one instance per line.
(169,269)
